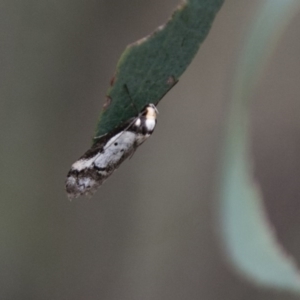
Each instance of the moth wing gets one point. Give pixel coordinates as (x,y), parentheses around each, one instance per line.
(99,162)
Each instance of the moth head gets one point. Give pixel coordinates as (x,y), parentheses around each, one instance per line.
(150,111)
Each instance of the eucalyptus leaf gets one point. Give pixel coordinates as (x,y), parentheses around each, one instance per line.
(150,67)
(249,238)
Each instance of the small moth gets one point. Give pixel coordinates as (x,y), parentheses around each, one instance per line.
(110,150)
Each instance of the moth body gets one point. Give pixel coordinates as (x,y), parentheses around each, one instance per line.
(110,150)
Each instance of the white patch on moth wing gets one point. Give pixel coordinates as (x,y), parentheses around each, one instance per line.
(150,124)
(115,148)
(137,122)
(84,163)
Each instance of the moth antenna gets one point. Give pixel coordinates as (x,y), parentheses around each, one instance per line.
(99,136)
(132,102)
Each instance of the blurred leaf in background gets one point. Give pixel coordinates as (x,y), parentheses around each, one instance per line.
(250,241)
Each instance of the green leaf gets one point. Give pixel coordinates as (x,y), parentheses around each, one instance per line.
(151,66)
(249,239)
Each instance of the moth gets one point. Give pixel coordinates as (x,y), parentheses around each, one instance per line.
(110,150)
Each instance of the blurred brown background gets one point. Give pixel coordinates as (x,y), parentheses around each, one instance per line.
(150,232)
